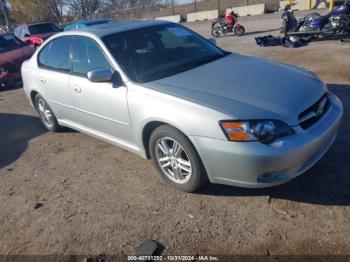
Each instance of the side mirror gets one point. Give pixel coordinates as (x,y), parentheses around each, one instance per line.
(105,75)
(212,40)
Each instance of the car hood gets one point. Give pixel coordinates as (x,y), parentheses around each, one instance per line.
(13,59)
(246,87)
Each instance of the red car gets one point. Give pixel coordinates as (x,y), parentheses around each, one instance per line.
(13,52)
(36,34)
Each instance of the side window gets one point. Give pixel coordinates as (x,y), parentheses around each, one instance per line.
(56,55)
(87,56)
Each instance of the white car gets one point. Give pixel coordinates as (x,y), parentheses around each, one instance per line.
(163,92)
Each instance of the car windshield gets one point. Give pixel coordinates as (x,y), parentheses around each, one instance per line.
(152,53)
(9,42)
(43,28)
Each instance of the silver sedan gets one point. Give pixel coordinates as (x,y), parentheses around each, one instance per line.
(200,113)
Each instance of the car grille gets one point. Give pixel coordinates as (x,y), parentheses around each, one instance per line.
(311,115)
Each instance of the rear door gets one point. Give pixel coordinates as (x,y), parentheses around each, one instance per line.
(100,107)
(54,73)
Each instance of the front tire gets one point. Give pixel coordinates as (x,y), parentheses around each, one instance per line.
(239,30)
(46,115)
(176,160)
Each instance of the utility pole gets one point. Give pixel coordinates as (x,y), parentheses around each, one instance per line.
(309,4)
(172,7)
(5,15)
(195,5)
(331,5)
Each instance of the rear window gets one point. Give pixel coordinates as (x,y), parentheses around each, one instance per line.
(43,28)
(9,42)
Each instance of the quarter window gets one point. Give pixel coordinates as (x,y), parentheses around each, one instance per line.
(56,55)
(87,56)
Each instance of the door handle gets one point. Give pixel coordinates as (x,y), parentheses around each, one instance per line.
(77,89)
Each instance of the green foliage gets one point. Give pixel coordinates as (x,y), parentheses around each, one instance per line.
(36,10)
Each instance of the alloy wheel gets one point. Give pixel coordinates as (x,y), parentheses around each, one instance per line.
(173,160)
(45,113)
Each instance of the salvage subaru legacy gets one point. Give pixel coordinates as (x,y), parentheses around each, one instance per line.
(201,114)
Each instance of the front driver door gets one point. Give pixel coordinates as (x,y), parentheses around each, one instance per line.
(100,108)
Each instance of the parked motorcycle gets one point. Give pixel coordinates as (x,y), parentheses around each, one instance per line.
(336,21)
(220,27)
(289,22)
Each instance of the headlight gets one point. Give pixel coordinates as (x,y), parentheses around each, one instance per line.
(264,131)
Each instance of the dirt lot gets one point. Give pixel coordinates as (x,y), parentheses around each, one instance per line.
(99,199)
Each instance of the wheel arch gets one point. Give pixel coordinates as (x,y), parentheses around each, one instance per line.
(150,127)
(33,94)
(146,134)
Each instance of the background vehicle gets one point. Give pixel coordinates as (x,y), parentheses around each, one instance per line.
(12,54)
(36,34)
(220,27)
(148,87)
(336,21)
(87,23)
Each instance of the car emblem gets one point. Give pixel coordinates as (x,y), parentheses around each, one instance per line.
(321,106)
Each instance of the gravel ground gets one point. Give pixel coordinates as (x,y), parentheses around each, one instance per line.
(99,199)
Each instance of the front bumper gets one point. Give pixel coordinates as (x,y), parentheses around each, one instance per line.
(256,165)
(12,80)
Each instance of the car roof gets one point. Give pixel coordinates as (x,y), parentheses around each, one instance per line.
(92,21)
(107,29)
(38,23)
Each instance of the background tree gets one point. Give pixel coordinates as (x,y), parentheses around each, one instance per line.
(57,10)
(4,15)
(85,8)
(37,10)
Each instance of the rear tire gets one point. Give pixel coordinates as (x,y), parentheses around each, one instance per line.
(176,159)
(46,115)
(215,31)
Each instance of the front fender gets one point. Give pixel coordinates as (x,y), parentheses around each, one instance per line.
(147,105)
